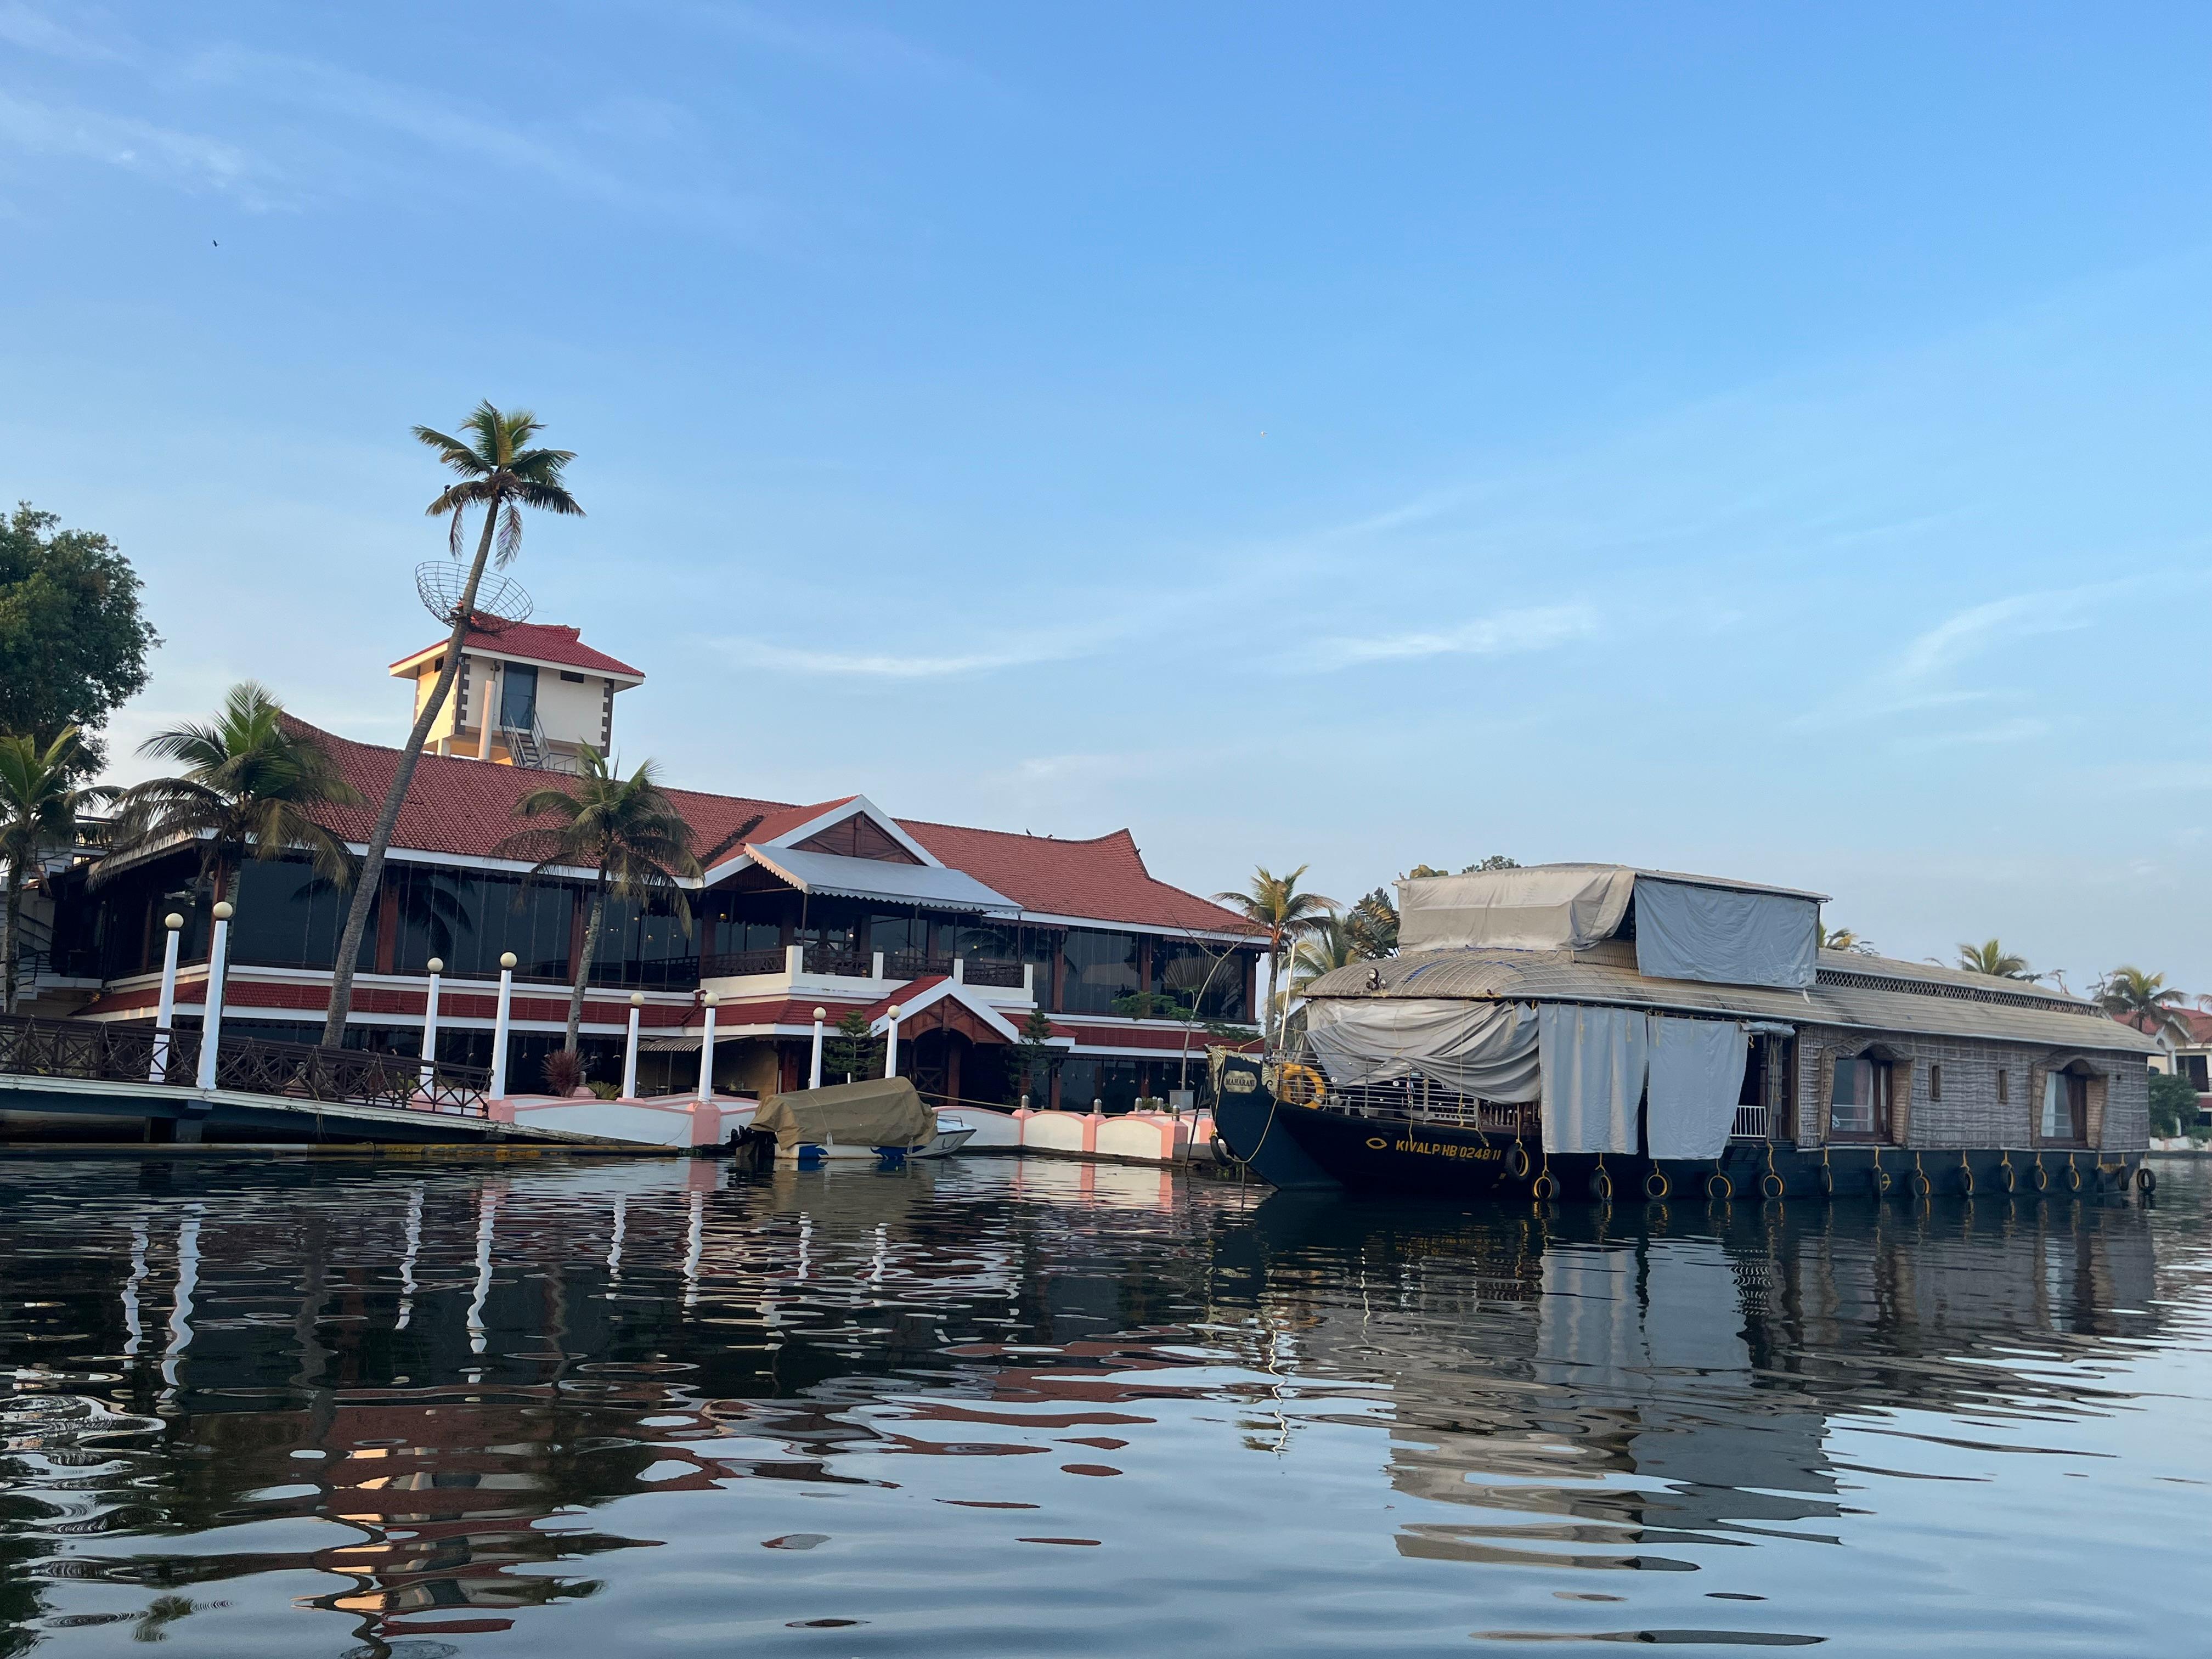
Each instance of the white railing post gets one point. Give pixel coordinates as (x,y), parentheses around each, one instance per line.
(794,960)
(706,1050)
(814,1068)
(629,1054)
(959,971)
(876,966)
(430,1022)
(165,1015)
(499,1027)
(890,1046)
(211,1020)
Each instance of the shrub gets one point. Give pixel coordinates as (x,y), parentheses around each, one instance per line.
(2173,1104)
(564,1072)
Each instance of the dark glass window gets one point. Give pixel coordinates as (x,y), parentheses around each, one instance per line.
(518,696)
(643,943)
(1212,975)
(469,918)
(1110,1082)
(1100,968)
(288,916)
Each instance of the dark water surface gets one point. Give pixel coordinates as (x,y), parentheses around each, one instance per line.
(997,1408)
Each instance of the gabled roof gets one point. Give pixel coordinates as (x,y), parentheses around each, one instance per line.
(463,808)
(539,642)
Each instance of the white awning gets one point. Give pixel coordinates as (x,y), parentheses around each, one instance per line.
(932,886)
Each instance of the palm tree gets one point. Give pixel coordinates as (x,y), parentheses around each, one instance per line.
(39,806)
(502,473)
(1330,944)
(1842,938)
(1991,958)
(627,828)
(252,786)
(2141,1000)
(1274,905)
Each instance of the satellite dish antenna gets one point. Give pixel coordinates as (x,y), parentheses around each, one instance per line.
(500,600)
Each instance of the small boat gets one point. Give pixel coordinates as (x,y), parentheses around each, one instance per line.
(879,1119)
(952,1133)
(1593,1031)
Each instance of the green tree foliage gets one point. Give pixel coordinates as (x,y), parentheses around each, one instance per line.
(1327,945)
(2173,1104)
(1992,958)
(1278,908)
(848,1052)
(40,805)
(1036,1058)
(2141,1000)
(72,643)
(1842,938)
(1372,925)
(501,470)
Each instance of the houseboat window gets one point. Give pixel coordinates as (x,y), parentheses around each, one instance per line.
(2004,1086)
(517,697)
(2065,1107)
(1101,967)
(1935,1081)
(1859,1105)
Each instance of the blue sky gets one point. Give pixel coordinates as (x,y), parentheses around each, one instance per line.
(1735,439)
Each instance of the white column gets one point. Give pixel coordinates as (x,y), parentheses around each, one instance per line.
(489,708)
(165,1014)
(706,1050)
(814,1069)
(211,1021)
(629,1054)
(498,1090)
(876,966)
(430,1022)
(891,1043)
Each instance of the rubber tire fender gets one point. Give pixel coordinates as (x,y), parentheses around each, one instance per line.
(1656,1186)
(1221,1153)
(1547,1186)
(1771,1185)
(2039,1178)
(1601,1187)
(2146,1179)
(1966,1181)
(2072,1178)
(1718,1186)
(1878,1182)
(1827,1181)
(2008,1179)
(1918,1184)
(1517,1162)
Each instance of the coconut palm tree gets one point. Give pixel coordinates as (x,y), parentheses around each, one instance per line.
(1330,944)
(1273,904)
(1842,938)
(502,472)
(626,830)
(40,805)
(2141,1000)
(253,786)
(1991,958)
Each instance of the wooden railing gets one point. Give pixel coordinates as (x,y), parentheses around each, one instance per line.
(97,1051)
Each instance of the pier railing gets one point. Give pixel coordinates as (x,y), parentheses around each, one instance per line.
(101,1052)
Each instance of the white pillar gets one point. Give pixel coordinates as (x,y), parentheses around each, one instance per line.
(165,1014)
(629,1054)
(211,1021)
(485,714)
(706,1050)
(498,1090)
(890,1044)
(430,1022)
(814,1070)
(876,966)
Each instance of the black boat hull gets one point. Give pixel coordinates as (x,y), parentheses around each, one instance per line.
(1304,1147)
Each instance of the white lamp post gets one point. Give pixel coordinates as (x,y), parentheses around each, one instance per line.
(430,1022)
(499,1024)
(706,1050)
(890,1046)
(630,1055)
(165,1014)
(814,1071)
(211,1020)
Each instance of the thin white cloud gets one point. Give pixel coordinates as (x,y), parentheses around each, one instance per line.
(895,665)
(187,159)
(33,30)
(1535,628)
(2023,729)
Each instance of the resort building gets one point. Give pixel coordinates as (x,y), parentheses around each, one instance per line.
(835,906)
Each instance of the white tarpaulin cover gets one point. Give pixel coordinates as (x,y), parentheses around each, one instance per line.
(1546,907)
(1487,1049)
(1697,1074)
(1594,1061)
(1685,930)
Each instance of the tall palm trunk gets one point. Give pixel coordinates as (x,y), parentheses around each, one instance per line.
(592,920)
(379,839)
(14,924)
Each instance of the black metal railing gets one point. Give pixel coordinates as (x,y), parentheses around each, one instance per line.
(98,1051)
(995,972)
(731,964)
(843,961)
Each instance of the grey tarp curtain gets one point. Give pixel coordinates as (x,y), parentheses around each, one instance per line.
(1592,1062)
(1697,1075)
(1487,1049)
(1549,907)
(1687,931)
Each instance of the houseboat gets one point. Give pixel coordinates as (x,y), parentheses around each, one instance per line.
(1586,1030)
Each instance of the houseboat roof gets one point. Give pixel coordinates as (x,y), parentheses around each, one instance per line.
(1876,994)
(462,809)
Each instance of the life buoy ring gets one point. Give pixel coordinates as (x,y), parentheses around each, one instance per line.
(1601,1186)
(2146,1180)
(1546,1186)
(1301,1085)
(1656,1186)
(2073,1176)
(1517,1162)
(1718,1186)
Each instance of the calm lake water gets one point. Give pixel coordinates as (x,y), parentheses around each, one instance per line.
(1004,1407)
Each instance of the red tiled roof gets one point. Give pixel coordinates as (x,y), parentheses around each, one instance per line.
(538,642)
(464,808)
(2196,1022)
